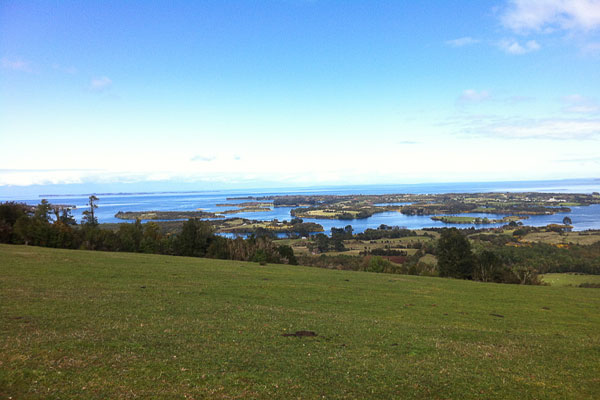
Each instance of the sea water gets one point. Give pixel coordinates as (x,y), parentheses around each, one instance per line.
(583,218)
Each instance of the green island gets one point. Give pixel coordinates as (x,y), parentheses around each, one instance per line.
(519,205)
(348,207)
(248,206)
(165,215)
(243,210)
(451,219)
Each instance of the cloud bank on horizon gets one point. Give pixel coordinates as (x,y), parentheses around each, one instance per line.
(300,93)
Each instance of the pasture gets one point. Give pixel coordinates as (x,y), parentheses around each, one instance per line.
(95,325)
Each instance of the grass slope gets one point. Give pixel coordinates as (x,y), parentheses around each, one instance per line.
(77,324)
(569,279)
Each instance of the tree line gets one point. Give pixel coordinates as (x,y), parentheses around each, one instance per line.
(54,226)
(484,257)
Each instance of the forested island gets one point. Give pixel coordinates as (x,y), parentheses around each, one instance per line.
(451,219)
(165,215)
(348,207)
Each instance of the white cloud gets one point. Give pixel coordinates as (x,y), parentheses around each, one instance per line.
(15,64)
(577,103)
(524,16)
(202,157)
(25,177)
(463,41)
(514,47)
(100,83)
(581,160)
(473,96)
(407,142)
(544,128)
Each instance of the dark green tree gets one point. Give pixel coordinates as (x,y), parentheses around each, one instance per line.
(338,245)
(10,212)
(260,256)
(194,239)
(322,242)
(152,240)
(455,258)
(36,230)
(62,215)
(89,217)
(218,248)
(130,236)
(287,253)
(488,267)
(42,211)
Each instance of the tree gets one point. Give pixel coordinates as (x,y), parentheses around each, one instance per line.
(489,265)
(130,236)
(36,230)
(525,275)
(42,211)
(10,212)
(455,258)
(260,256)
(348,230)
(89,218)
(287,252)
(322,242)
(338,245)
(152,240)
(62,215)
(194,239)
(218,248)
(378,264)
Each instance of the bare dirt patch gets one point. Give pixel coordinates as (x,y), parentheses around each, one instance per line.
(300,334)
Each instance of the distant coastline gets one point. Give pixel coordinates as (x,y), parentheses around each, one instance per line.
(478,186)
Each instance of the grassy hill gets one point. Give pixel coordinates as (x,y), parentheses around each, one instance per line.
(78,324)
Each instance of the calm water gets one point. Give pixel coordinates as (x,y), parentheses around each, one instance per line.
(583,217)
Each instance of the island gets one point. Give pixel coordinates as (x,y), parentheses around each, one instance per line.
(348,207)
(249,206)
(165,215)
(451,219)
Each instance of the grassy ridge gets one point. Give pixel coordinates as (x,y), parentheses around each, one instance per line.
(77,324)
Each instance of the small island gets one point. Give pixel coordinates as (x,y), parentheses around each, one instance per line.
(452,219)
(165,215)
(249,206)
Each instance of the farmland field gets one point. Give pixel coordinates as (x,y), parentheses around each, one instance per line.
(79,324)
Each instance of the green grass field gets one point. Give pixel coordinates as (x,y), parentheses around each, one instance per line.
(93,325)
(583,238)
(569,279)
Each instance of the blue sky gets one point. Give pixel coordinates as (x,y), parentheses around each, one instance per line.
(292,92)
